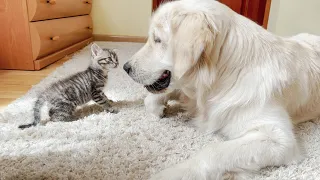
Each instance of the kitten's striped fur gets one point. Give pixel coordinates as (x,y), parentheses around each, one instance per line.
(65,95)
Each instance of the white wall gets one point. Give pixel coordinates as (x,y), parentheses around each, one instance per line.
(289,17)
(121,17)
(131,17)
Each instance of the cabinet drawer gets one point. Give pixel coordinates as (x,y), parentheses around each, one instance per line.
(53,35)
(50,9)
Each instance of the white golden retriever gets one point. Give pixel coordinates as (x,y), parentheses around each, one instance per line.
(238,80)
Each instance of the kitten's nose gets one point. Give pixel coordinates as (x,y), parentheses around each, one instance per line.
(127,67)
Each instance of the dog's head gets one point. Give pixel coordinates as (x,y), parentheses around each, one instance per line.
(181,40)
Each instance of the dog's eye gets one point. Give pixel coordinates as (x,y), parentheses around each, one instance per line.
(157,40)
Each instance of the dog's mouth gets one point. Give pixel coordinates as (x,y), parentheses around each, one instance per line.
(161,84)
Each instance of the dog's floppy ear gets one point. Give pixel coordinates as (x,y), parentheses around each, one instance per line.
(192,35)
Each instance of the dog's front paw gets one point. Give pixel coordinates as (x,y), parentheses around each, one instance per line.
(153,106)
(158,112)
(179,172)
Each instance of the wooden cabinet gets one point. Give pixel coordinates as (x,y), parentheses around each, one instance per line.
(50,9)
(53,35)
(36,33)
(256,10)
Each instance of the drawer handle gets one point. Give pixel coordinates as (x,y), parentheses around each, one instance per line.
(55,38)
(90,27)
(52,2)
(87,2)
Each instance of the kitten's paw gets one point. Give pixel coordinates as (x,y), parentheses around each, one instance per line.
(112,110)
(44,122)
(110,101)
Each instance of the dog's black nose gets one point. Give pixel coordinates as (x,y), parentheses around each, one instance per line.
(127,67)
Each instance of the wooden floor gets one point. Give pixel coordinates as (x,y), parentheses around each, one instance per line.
(14,84)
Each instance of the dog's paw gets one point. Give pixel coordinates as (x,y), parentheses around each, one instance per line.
(178,172)
(154,107)
(237,176)
(158,112)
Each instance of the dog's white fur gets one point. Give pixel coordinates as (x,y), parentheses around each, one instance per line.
(239,79)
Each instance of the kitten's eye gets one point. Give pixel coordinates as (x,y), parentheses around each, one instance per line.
(157,40)
(102,61)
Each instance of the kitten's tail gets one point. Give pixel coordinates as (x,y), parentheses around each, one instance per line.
(36,114)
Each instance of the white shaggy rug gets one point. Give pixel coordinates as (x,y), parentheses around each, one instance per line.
(129,145)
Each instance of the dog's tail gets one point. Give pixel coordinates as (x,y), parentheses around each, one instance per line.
(36,114)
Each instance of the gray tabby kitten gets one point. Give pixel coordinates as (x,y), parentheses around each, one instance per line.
(64,96)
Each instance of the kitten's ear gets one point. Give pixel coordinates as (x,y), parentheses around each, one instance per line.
(115,50)
(95,50)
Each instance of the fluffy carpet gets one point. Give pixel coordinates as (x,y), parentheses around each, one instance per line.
(129,145)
